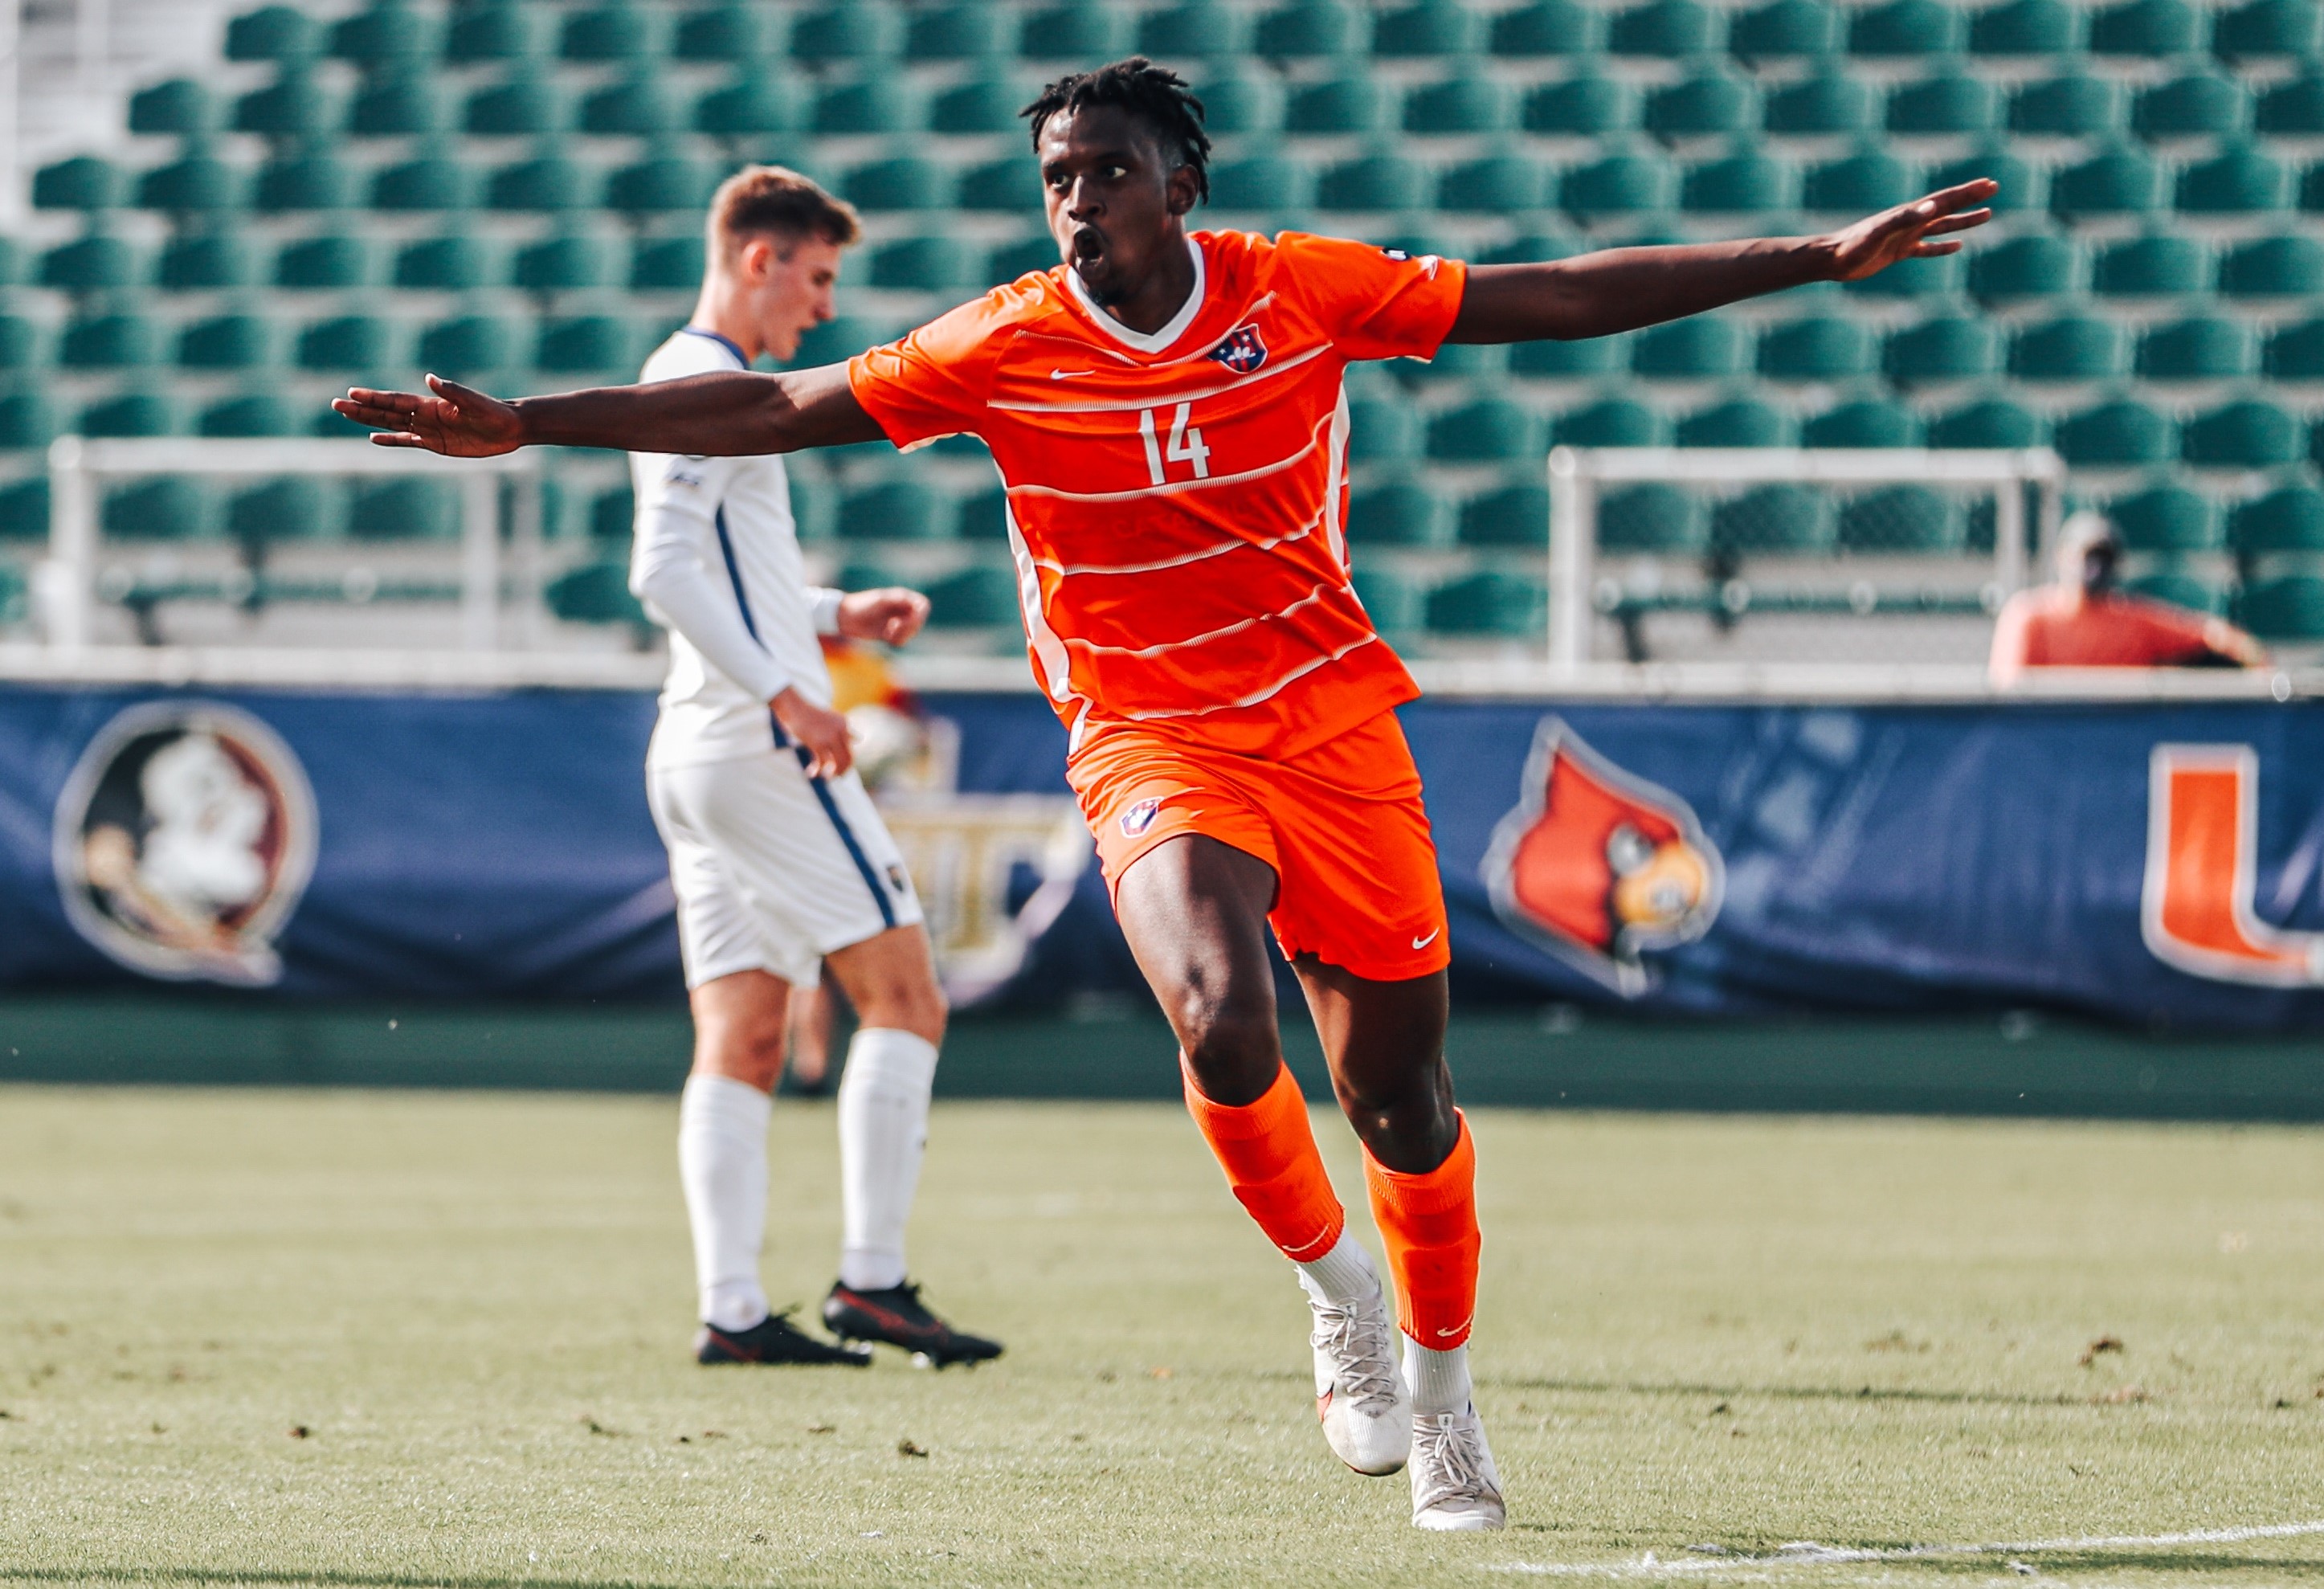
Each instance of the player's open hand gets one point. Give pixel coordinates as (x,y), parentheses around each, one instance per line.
(893,614)
(456,420)
(819,731)
(1910,231)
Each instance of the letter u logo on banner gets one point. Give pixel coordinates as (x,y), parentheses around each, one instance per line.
(2202,836)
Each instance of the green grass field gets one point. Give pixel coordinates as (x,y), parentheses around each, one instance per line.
(364,1339)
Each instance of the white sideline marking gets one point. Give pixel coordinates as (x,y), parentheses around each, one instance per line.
(1808,1553)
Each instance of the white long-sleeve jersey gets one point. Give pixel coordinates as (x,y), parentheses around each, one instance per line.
(717,561)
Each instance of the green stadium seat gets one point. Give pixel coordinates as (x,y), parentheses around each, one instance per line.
(2023,27)
(1010,187)
(1692,350)
(888,102)
(2022,183)
(903,182)
(2199,104)
(756,102)
(1478,366)
(1612,422)
(2181,586)
(429,182)
(586,344)
(596,593)
(1396,605)
(1267,181)
(1824,348)
(1655,517)
(1711,101)
(1020,259)
(398,105)
(722,32)
(853,30)
(11,261)
(132,415)
(1546,27)
(567,262)
(2155,265)
(2240,180)
(983,516)
(1867,180)
(2288,608)
(1739,422)
(2120,432)
(612,516)
(838,339)
(1950,102)
(2288,519)
(2285,266)
(1585,104)
(1373,183)
(2296,352)
(1745,182)
(893,510)
(107,341)
(937,263)
(1517,515)
(981,105)
(1903,520)
(524,105)
(2075,105)
(957,32)
(1463,104)
(2206,347)
(1864,423)
(496,30)
(254,413)
(640,106)
(1953,347)
(1530,246)
(228,342)
(2035,266)
(91,264)
(1776,520)
(1620,184)
(2250,434)
(1083,33)
(1569,361)
(26,421)
(2311,189)
(294,105)
(2295,107)
(1401,511)
(296,507)
(1490,428)
(1905,27)
(1674,29)
(982,596)
(2268,27)
(199,183)
(274,32)
(1356,103)
(1490,603)
(665,182)
(667,264)
(1828,102)
(468,344)
(385,33)
(1240,99)
(403,510)
(345,343)
(2165,519)
(1499,184)
(84,182)
(1307,30)
(24,509)
(22,341)
(1428,28)
(2151,28)
(2071,347)
(182,108)
(1784,30)
(548,183)
(1382,429)
(204,262)
(608,32)
(170,507)
(314,180)
(454,263)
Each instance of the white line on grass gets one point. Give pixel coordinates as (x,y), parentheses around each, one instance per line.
(1807,1553)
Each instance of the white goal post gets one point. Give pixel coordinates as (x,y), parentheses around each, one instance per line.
(1825,578)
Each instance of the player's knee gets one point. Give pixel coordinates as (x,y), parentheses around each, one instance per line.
(914,1004)
(1231,1050)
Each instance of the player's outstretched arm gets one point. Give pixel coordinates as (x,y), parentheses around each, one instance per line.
(1623,288)
(725,414)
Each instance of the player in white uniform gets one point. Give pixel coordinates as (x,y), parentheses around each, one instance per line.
(779,861)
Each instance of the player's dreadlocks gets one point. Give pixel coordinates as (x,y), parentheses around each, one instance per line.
(1155,94)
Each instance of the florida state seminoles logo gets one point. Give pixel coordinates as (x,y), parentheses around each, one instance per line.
(2197,909)
(1242,352)
(183,840)
(1599,866)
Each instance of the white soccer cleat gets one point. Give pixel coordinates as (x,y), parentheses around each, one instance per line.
(1455,1488)
(1359,1395)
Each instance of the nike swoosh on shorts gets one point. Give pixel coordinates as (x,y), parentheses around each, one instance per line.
(1421,943)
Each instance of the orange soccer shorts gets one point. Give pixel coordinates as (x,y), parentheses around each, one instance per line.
(1341,824)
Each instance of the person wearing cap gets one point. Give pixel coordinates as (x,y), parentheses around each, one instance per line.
(2083,619)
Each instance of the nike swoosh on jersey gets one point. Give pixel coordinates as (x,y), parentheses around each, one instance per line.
(1421,943)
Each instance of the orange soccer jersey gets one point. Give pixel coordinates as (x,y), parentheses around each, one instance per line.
(1176,501)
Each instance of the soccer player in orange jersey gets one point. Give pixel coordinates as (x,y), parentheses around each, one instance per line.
(1166,412)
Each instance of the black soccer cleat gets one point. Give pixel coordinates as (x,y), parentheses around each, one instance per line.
(897,1316)
(775,1339)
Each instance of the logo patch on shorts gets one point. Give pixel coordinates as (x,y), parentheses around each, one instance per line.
(897,880)
(1242,352)
(1139,817)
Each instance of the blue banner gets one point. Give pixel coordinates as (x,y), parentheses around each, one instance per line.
(2156,864)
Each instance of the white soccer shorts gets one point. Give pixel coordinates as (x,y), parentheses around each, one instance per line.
(774,870)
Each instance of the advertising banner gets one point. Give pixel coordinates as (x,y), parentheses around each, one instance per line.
(2157,864)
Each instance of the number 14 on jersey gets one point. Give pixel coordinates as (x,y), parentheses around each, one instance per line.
(1185,445)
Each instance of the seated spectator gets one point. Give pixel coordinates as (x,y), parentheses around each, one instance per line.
(2082,621)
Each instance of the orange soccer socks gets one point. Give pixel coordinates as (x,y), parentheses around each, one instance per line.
(1267,1150)
(1428,1224)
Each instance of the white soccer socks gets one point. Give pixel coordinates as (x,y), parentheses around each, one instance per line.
(883,1132)
(1359,1399)
(722,1163)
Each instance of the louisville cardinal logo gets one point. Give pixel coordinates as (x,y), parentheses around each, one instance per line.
(1242,352)
(2198,910)
(1598,865)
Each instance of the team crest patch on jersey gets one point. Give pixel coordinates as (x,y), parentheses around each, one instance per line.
(1242,352)
(1141,816)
